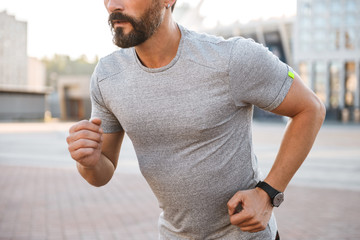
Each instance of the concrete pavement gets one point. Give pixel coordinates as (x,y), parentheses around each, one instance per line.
(43,197)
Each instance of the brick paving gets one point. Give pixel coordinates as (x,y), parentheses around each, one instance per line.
(48,203)
(45,201)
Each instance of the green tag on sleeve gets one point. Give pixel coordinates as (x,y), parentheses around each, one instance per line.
(291,74)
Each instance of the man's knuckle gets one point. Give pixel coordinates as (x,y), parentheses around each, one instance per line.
(70,148)
(72,128)
(68,139)
(262,227)
(82,124)
(90,151)
(74,155)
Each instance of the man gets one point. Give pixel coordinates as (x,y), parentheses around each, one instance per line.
(185,100)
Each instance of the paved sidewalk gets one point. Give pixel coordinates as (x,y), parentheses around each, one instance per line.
(43,197)
(44,203)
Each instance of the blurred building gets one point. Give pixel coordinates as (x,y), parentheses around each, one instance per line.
(327,53)
(74,97)
(22,91)
(275,34)
(13,51)
(36,75)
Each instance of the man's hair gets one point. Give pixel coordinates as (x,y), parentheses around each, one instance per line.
(173,6)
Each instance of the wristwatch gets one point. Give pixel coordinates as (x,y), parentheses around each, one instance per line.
(276,197)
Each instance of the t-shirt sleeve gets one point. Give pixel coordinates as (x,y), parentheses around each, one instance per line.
(257,76)
(110,123)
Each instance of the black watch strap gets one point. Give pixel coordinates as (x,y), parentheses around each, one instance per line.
(275,196)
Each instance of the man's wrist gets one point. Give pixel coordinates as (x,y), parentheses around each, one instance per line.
(263,195)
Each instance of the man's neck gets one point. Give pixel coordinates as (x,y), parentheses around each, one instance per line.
(161,48)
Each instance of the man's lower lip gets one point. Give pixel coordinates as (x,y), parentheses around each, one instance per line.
(120,24)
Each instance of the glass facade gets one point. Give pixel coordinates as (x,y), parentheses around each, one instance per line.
(327,53)
(326,23)
(320,80)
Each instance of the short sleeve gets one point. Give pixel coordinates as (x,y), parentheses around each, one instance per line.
(109,123)
(257,76)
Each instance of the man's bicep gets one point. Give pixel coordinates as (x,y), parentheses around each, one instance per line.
(299,98)
(111,145)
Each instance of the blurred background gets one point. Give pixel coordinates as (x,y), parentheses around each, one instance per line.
(48,51)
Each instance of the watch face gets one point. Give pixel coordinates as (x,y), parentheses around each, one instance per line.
(278,199)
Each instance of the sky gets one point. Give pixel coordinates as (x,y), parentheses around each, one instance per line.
(78,27)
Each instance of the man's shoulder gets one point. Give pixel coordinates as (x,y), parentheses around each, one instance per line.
(114,63)
(206,40)
(209,41)
(206,49)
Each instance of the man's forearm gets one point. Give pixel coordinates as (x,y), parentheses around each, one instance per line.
(100,174)
(298,140)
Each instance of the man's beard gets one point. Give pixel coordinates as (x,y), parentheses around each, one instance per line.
(143,28)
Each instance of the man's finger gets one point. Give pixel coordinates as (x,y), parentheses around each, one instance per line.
(253,229)
(86,125)
(241,218)
(83,143)
(85,134)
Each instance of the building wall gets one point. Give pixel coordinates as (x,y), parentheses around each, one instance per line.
(22,79)
(20,105)
(36,74)
(13,51)
(327,53)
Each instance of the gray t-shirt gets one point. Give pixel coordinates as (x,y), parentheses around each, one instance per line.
(190,124)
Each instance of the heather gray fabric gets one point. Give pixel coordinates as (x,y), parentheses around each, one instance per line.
(190,123)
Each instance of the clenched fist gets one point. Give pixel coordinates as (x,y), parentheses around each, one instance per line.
(85,141)
(255,212)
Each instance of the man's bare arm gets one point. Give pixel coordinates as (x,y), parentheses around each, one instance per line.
(96,153)
(306,114)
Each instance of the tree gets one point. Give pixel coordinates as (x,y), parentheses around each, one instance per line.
(64,65)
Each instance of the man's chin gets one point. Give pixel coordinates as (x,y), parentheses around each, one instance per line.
(127,40)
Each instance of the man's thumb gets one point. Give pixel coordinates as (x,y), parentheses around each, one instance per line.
(235,203)
(96,121)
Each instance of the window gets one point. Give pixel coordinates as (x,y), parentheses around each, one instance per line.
(305,22)
(350,84)
(319,7)
(336,6)
(320,80)
(335,21)
(351,6)
(335,84)
(350,20)
(306,9)
(320,22)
